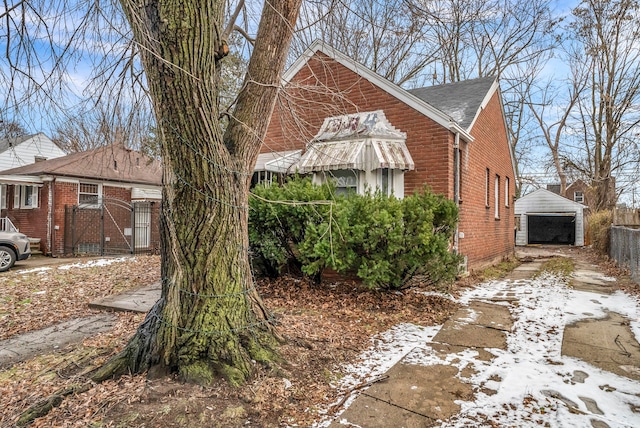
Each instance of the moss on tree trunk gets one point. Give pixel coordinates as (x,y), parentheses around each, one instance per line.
(210,320)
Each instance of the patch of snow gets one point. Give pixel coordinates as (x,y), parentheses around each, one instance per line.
(536,384)
(94,263)
(39,270)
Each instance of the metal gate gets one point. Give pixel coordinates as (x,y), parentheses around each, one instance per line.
(110,227)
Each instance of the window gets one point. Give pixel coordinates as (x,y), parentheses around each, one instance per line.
(3,196)
(266,178)
(25,196)
(386,186)
(506,192)
(578,197)
(89,195)
(486,189)
(497,197)
(346,180)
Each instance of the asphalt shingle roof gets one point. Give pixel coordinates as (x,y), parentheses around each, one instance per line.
(460,100)
(111,163)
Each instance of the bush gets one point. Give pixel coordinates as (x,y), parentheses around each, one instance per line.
(277,228)
(381,239)
(599,227)
(385,240)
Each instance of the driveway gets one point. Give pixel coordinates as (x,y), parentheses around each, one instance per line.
(529,350)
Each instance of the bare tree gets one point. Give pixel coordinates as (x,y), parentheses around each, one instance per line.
(388,37)
(510,39)
(210,319)
(485,38)
(552,109)
(105,124)
(608,116)
(11,129)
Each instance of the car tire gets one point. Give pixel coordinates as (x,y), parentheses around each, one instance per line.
(7,258)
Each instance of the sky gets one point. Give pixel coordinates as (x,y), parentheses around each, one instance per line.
(47,113)
(531,364)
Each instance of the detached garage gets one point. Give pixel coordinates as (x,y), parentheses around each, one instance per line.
(543,217)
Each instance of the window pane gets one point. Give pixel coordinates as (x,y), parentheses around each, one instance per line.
(88,193)
(89,188)
(345,180)
(28,196)
(385,181)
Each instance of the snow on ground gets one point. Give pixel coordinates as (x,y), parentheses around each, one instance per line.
(534,383)
(86,264)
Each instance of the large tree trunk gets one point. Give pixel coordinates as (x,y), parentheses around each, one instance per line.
(210,319)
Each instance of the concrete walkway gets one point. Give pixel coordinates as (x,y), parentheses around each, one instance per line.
(418,395)
(25,346)
(410,394)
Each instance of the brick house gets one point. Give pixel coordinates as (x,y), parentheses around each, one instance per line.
(365,131)
(101,201)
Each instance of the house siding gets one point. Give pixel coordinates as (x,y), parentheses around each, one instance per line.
(26,152)
(542,201)
(307,101)
(486,239)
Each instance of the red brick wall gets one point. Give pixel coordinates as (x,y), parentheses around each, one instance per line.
(486,239)
(34,222)
(308,100)
(325,88)
(30,221)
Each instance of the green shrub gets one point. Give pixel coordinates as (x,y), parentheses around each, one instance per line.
(385,240)
(381,239)
(277,227)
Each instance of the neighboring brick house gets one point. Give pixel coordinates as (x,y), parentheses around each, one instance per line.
(452,138)
(581,192)
(84,202)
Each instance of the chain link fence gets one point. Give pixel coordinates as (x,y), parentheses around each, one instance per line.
(625,249)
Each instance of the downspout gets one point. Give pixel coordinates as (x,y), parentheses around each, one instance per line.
(50,227)
(456,187)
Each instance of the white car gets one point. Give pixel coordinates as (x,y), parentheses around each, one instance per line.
(13,246)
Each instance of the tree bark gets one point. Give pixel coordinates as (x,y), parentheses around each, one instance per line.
(210,319)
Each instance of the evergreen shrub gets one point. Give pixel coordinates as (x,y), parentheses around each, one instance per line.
(381,239)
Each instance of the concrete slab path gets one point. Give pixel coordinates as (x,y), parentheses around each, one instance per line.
(25,346)
(138,300)
(418,395)
(424,395)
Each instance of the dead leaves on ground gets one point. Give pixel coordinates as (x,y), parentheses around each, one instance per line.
(326,327)
(38,298)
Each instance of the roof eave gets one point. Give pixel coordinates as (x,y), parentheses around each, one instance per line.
(396,91)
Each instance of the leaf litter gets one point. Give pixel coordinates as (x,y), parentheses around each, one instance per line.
(337,337)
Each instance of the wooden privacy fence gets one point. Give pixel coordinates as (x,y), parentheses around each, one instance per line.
(625,249)
(626,217)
